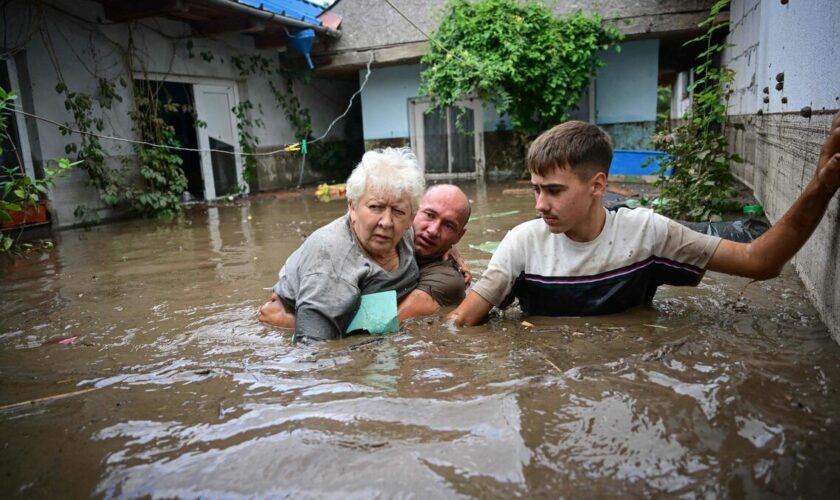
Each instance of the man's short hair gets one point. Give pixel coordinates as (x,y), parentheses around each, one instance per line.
(581,146)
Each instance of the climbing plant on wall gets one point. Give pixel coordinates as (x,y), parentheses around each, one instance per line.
(701,186)
(516,55)
(87,110)
(160,168)
(158,189)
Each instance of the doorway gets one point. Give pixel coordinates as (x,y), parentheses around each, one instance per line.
(202,117)
(218,139)
(181,117)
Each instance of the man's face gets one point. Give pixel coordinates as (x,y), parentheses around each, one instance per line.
(440,222)
(564,201)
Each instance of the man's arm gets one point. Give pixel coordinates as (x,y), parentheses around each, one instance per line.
(472,311)
(765,257)
(456,257)
(417,303)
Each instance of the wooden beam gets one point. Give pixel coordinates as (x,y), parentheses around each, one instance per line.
(356,59)
(271,41)
(129,11)
(659,25)
(221,26)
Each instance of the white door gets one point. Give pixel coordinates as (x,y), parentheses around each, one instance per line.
(222,171)
(449,142)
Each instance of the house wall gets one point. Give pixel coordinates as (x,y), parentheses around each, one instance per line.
(371,24)
(385,101)
(781,146)
(385,105)
(625,97)
(83,50)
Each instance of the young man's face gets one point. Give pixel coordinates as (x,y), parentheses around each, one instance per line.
(565,202)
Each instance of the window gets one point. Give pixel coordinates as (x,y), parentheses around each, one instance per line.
(449,142)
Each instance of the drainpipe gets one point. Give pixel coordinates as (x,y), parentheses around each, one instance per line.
(271,16)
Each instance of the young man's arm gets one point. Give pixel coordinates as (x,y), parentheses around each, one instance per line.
(765,257)
(472,311)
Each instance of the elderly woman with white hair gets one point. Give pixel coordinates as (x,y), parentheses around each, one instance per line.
(369,249)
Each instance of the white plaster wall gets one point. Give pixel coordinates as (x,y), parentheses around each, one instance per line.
(681,97)
(83,50)
(798,39)
(626,86)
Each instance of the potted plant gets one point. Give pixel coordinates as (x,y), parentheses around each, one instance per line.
(20,194)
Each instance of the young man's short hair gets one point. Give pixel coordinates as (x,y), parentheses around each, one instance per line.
(581,146)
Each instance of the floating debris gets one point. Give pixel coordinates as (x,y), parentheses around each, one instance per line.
(329,192)
(493,215)
(488,246)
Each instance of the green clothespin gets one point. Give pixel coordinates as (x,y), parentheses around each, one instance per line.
(303,147)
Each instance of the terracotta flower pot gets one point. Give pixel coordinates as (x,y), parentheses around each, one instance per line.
(30,215)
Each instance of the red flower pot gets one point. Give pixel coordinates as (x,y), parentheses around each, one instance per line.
(30,215)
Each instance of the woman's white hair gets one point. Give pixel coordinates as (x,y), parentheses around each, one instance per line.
(389,171)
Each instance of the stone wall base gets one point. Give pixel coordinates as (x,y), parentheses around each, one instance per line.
(780,153)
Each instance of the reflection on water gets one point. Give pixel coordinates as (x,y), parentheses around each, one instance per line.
(727,389)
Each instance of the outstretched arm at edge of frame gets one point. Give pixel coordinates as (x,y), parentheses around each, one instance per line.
(764,258)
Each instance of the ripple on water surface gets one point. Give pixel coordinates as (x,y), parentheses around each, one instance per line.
(729,389)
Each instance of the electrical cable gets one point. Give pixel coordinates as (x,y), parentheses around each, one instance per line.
(350,104)
(418,28)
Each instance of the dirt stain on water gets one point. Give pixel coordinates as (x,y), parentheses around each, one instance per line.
(726,389)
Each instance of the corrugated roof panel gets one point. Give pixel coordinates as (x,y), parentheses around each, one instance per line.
(297,9)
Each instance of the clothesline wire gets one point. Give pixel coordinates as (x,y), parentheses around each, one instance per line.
(286,149)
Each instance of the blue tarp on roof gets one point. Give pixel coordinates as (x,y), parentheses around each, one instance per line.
(296,9)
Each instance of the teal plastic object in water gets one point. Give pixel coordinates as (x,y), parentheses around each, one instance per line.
(487,246)
(377,314)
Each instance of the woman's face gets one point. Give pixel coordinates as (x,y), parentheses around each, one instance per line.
(380,221)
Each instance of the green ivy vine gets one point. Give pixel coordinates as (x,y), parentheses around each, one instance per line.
(701,186)
(516,55)
(88,150)
(248,141)
(163,178)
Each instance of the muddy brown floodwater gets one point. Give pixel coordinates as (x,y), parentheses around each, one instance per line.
(728,389)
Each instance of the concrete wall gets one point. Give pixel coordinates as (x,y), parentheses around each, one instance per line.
(793,39)
(781,146)
(83,50)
